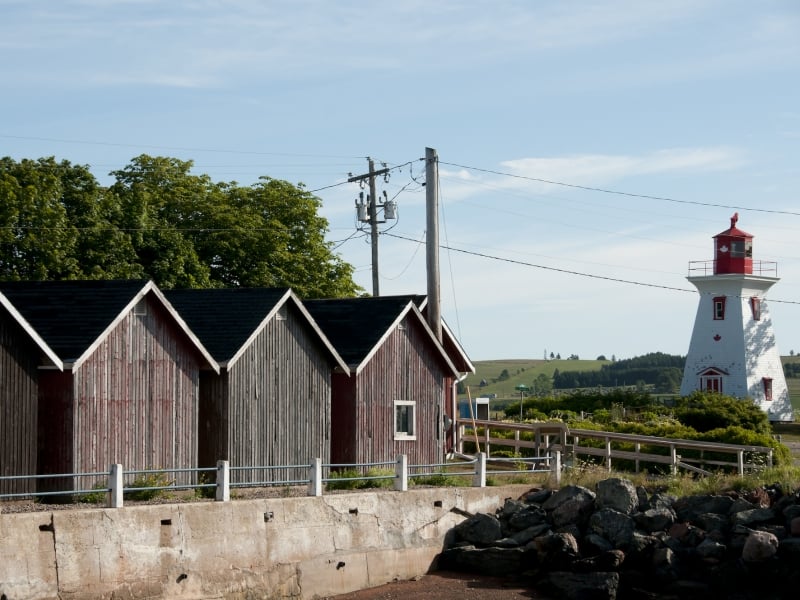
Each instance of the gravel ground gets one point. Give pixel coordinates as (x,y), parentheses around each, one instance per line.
(443,585)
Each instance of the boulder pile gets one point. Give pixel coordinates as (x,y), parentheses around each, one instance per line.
(618,541)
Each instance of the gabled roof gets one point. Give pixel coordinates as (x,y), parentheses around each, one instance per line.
(73,317)
(37,339)
(454,348)
(227,320)
(358,326)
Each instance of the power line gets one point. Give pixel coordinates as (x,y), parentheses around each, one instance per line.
(620,193)
(567,271)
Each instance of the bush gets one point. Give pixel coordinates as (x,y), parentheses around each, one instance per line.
(98,497)
(148,480)
(354,479)
(705,411)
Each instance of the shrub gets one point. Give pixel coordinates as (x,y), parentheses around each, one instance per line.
(157,479)
(354,479)
(98,497)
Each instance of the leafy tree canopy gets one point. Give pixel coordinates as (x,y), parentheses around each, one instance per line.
(159,221)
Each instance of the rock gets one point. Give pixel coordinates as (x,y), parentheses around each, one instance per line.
(619,494)
(610,560)
(485,561)
(790,548)
(754,516)
(740,504)
(708,548)
(594,544)
(536,496)
(662,500)
(527,517)
(687,534)
(510,508)
(556,551)
(481,529)
(759,547)
(794,526)
(758,497)
(791,511)
(529,534)
(584,586)
(614,526)
(705,546)
(665,564)
(571,504)
(690,507)
(713,522)
(654,519)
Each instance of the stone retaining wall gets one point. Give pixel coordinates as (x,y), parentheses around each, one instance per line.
(303,548)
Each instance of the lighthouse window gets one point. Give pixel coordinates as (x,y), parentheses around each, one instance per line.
(719,308)
(755,306)
(737,248)
(767,381)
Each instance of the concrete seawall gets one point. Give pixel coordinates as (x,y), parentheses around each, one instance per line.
(302,548)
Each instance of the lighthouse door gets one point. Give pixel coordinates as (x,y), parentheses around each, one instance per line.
(711,381)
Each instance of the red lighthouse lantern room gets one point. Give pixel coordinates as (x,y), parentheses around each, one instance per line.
(733,251)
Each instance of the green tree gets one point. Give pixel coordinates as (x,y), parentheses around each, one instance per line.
(38,241)
(542,384)
(161,222)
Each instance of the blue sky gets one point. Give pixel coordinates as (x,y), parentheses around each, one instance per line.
(689,108)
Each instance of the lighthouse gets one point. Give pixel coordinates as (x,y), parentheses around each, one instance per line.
(733,349)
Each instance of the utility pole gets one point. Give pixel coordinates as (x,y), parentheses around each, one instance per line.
(373,218)
(432,240)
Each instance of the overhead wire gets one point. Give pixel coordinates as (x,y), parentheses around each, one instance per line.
(620,193)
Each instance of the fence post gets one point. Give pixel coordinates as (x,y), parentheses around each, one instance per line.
(401,473)
(740,462)
(556,467)
(115,486)
(223,492)
(315,477)
(480,471)
(673,456)
(608,454)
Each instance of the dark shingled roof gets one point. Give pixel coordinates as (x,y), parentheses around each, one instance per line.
(70,315)
(354,325)
(223,319)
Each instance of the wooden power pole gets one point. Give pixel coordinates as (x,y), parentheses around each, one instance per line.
(373,218)
(432,240)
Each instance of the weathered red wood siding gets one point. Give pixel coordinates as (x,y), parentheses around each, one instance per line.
(275,408)
(134,401)
(405,367)
(18,405)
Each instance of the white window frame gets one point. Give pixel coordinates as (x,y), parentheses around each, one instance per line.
(412,418)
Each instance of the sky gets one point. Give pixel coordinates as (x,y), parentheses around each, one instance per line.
(588,151)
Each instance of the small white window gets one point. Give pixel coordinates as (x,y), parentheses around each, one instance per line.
(405,414)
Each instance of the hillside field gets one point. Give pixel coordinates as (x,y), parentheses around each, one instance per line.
(525,371)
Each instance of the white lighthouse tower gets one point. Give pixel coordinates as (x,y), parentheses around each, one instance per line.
(733,349)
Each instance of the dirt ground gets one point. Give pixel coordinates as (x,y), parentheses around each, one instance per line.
(443,585)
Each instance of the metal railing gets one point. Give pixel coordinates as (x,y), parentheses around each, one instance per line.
(116,483)
(704,268)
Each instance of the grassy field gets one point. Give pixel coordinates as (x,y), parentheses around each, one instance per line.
(519,372)
(525,371)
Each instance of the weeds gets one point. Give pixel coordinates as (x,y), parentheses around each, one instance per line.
(147,481)
(354,479)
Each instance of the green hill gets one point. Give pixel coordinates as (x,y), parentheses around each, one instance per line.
(498,379)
